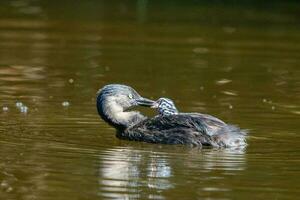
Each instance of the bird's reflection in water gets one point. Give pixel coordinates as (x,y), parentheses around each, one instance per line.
(124,172)
(158,172)
(130,173)
(228,160)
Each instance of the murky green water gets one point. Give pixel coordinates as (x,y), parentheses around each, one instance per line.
(240,63)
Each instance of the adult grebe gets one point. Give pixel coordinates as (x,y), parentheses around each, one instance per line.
(194,129)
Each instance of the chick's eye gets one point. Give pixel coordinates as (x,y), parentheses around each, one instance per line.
(130,96)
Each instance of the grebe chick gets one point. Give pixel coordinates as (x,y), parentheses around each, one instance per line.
(165,107)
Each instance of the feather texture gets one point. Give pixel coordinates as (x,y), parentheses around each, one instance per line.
(186,128)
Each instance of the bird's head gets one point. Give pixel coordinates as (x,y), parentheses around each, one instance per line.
(114,102)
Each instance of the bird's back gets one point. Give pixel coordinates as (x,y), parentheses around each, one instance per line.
(186,128)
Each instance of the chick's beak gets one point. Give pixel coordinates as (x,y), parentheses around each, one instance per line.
(145,102)
(155,105)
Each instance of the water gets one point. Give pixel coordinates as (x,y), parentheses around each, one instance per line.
(237,62)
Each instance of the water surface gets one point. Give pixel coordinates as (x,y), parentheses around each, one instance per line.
(240,63)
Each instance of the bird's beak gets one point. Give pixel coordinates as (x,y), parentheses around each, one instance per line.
(145,102)
(155,105)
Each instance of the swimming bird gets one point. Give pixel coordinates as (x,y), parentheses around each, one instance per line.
(193,129)
(165,106)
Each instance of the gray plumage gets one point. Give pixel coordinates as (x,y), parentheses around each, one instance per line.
(114,102)
(194,129)
(186,128)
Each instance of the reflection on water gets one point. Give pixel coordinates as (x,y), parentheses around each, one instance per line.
(239,62)
(26,7)
(123,171)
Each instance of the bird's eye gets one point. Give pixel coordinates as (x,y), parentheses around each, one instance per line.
(130,96)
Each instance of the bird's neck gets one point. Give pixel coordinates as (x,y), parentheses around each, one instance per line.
(115,115)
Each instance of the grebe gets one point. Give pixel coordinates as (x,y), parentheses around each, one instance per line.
(171,127)
(165,106)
